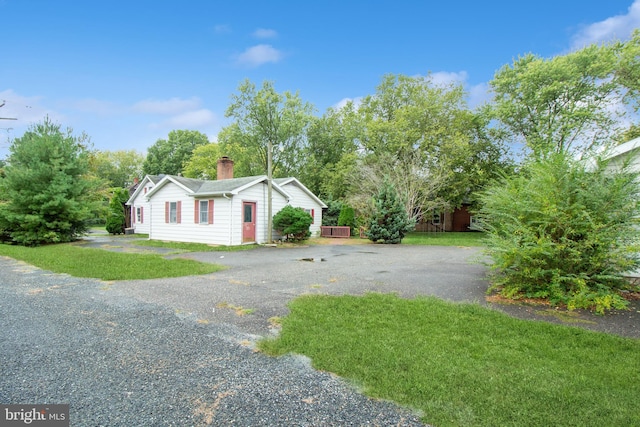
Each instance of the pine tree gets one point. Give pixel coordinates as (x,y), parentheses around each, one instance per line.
(47,197)
(390,221)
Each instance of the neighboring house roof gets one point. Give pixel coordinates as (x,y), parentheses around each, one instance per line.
(624,148)
(284,181)
(204,188)
(154,179)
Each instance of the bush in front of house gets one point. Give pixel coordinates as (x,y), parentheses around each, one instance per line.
(293,223)
(564,232)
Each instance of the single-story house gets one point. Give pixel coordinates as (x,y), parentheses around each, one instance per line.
(227,211)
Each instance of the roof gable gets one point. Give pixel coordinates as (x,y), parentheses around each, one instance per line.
(154,179)
(283,182)
(624,148)
(204,188)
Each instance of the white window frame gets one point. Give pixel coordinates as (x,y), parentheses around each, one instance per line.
(203,212)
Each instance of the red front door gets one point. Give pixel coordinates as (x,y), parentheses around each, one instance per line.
(248,222)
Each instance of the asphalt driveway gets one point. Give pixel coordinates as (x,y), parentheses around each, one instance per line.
(180,351)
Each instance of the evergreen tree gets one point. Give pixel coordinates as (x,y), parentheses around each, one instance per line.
(390,221)
(47,195)
(116,218)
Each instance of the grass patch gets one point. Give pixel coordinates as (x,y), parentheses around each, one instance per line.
(466,365)
(444,239)
(192,247)
(105,265)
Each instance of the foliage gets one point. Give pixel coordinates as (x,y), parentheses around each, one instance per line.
(331,215)
(389,222)
(49,195)
(416,183)
(169,156)
(116,216)
(264,117)
(562,231)
(331,139)
(293,223)
(466,365)
(348,218)
(568,102)
(203,163)
(117,168)
(106,265)
(429,127)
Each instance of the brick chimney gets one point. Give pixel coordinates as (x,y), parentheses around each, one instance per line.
(225,168)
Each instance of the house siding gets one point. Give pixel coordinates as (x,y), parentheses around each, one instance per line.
(225,226)
(300,199)
(188,230)
(141,227)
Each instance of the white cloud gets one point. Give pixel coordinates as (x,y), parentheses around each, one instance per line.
(166,106)
(445,78)
(26,109)
(258,55)
(264,33)
(615,27)
(197,118)
(344,101)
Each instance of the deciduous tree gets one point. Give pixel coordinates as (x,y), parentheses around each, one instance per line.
(169,156)
(568,102)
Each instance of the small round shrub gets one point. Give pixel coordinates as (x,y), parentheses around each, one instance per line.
(293,223)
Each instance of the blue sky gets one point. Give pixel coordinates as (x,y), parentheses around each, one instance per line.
(128,72)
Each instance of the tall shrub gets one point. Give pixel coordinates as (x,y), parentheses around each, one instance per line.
(116,217)
(390,221)
(562,231)
(347,218)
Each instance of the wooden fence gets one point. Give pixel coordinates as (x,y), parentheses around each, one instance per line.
(335,231)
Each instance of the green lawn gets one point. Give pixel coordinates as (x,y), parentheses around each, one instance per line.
(444,239)
(105,265)
(465,365)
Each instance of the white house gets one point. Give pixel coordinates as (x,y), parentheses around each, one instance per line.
(227,211)
(139,204)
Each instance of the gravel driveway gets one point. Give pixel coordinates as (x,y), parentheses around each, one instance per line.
(179,352)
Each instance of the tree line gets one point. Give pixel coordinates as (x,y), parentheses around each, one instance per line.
(413,141)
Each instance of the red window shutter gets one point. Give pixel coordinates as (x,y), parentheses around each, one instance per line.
(166,212)
(210,211)
(196,211)
(141,214)
(313,216)
(132,212)
(179,213)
